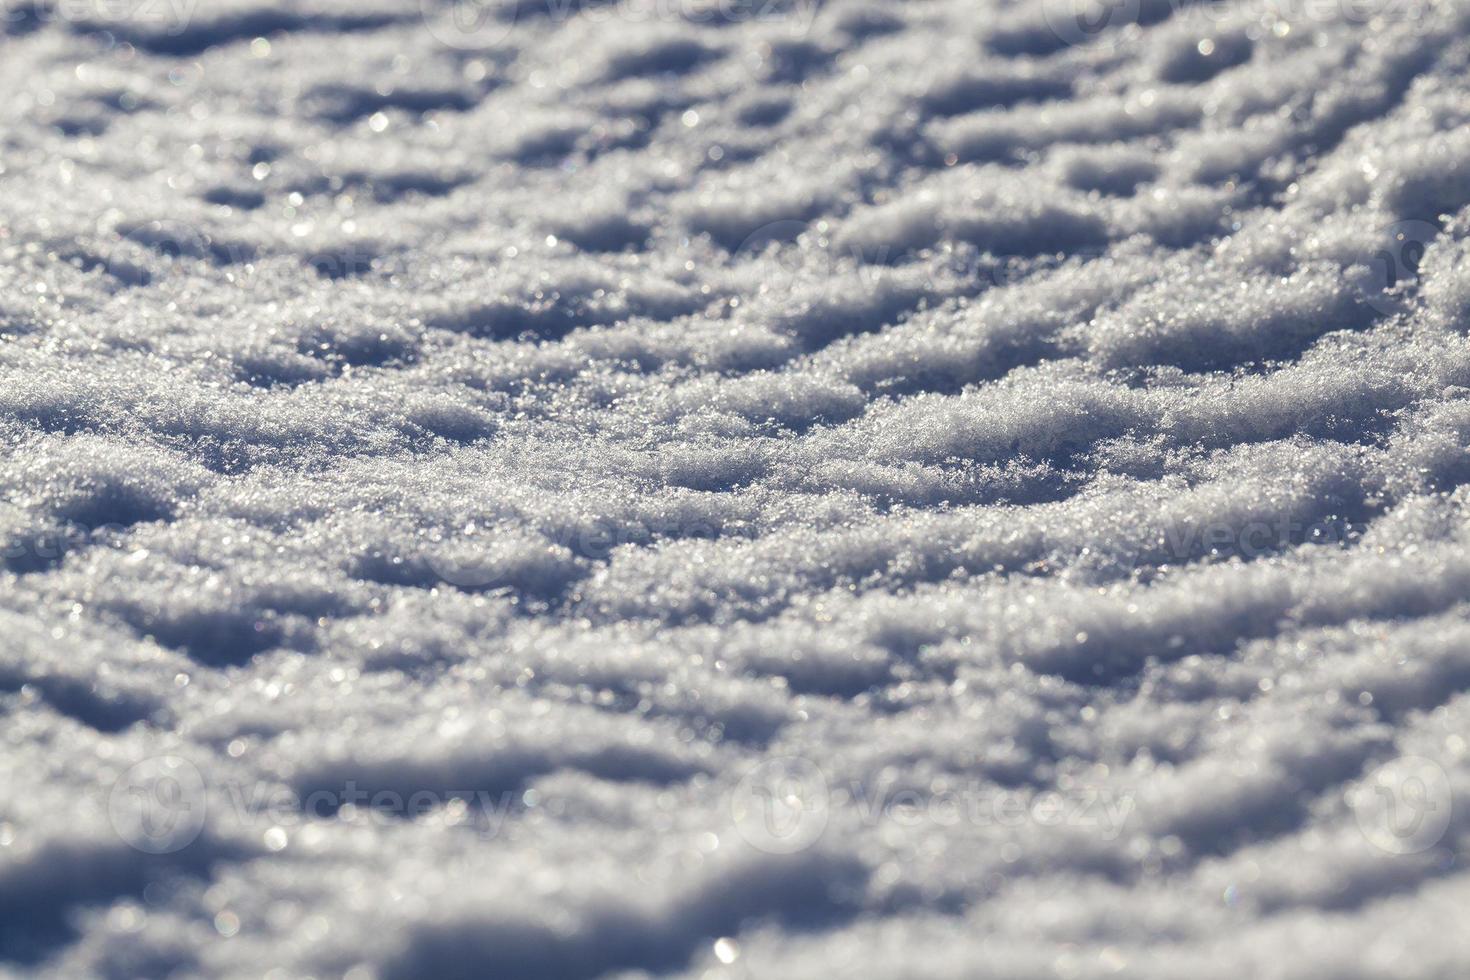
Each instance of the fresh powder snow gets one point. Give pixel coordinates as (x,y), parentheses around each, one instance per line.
(557,489)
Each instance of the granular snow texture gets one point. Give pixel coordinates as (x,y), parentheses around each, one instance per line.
(769,488)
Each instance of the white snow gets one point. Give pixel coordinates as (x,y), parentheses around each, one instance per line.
(543,488)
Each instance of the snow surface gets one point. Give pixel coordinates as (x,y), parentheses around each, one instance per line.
(577,488)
